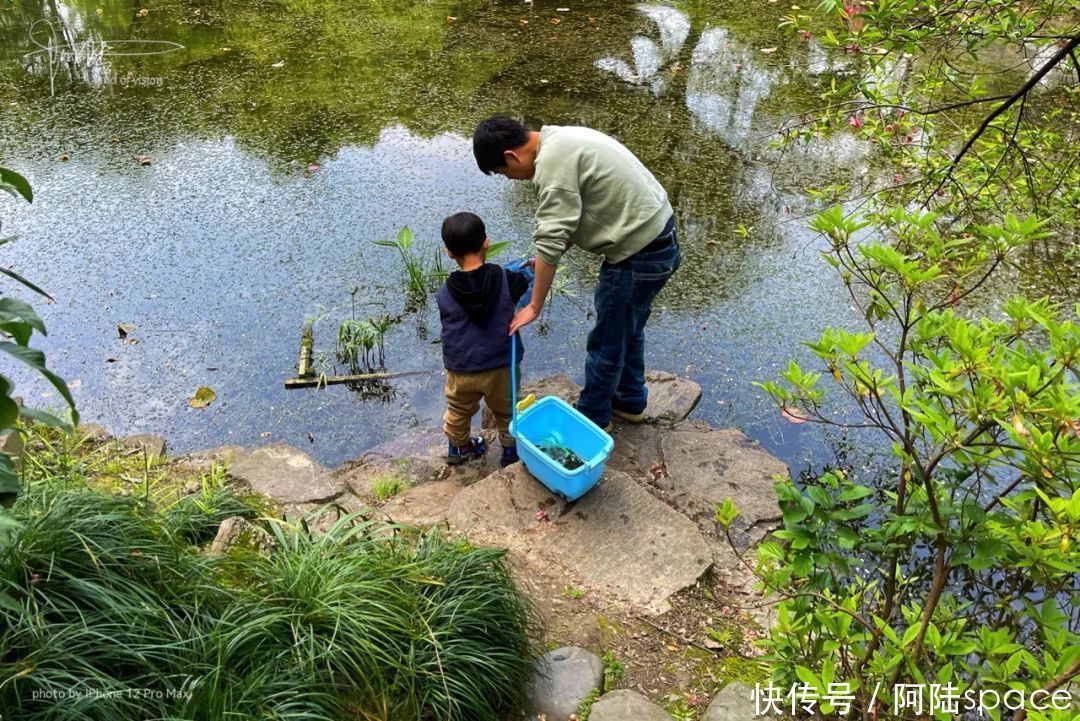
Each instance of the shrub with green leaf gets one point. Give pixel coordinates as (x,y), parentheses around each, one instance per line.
(959,566)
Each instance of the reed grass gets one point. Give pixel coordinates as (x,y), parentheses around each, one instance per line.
(118,614)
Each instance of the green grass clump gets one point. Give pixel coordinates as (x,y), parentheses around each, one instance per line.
(383,488)
(116,614)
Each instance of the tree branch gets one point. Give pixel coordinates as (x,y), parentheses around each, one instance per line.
(1026,88)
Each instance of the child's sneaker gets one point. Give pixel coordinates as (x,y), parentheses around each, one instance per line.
(509,455)
(475,448)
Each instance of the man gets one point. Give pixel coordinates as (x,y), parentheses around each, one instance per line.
(595,194)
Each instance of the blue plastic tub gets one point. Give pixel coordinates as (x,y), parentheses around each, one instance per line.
(554,419)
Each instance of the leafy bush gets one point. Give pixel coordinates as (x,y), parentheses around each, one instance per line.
(116,616)
(960,569)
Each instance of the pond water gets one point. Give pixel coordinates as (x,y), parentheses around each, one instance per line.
(284,137)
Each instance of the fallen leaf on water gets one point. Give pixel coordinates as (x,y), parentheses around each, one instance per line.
(143,159)
(523,22)
(450,18)
(64,156)
(555,21)
(768,50)
(203,397)
(125,329)
(793,415)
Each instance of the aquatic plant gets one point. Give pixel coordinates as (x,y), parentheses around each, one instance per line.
(416,277)
(380,325)
(361,344)
(355,340)
(115,615)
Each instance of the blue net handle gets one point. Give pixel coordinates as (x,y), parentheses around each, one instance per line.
(513,380)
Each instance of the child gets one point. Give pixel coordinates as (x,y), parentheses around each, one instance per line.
(476,304)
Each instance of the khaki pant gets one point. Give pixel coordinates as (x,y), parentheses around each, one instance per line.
(463,394)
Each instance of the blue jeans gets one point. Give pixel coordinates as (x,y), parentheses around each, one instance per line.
(615,361)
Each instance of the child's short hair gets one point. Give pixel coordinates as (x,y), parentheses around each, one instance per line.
(463,233)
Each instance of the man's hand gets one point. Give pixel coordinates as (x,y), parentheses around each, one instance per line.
(523,317)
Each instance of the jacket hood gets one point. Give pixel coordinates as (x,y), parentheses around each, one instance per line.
(477,291)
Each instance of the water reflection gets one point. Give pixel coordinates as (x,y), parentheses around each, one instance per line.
(650,56)
(221,248)
(726,85)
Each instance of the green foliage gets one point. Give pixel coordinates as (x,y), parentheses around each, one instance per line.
(726,512)
(614,670)
(680,711)
(959,571)
(18,321)
(194,519)
(361,344)
(115,615)
(419,278)
(383,488)
(585,708)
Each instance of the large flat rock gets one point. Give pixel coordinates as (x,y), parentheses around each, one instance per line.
(424,505)
(143,443)
(286,474)
(703,465)
(618,538)
(671,398)
(205,459)
(734,703)
(415,457)
(626,705)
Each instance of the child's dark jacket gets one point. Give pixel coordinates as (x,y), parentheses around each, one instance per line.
(476,308)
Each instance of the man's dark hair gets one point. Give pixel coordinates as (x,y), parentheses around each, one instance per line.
(495,136)
(463,233)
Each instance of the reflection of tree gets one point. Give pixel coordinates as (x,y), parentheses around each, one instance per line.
(298,81)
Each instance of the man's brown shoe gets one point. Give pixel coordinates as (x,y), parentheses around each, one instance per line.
(628,416)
